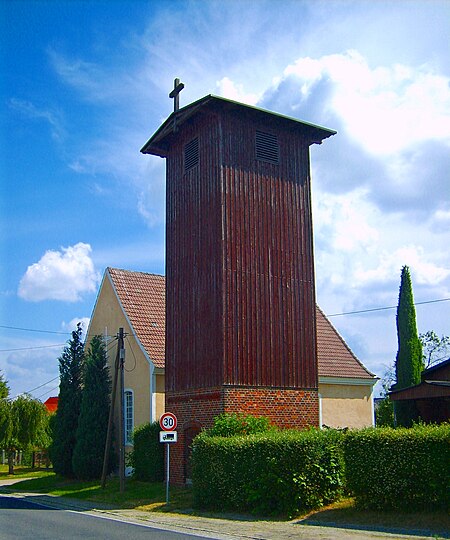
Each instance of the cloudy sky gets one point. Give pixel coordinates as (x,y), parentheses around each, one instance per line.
(85,84)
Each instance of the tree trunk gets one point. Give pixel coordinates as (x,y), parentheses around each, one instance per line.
(11,456)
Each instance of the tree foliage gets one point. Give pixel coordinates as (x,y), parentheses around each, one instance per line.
(23,423)
(409,361)
(87,460)
(4,388)
(70,392)
(231,424)
(435,349)
(384,412)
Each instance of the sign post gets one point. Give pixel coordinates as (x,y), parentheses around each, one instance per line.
(168,435)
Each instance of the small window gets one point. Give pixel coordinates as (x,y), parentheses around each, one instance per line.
(128,404)
(191,154)
(266,147)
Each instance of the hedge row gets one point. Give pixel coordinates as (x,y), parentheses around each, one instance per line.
(399,468)
(147,457)
(288,472)
(269,473)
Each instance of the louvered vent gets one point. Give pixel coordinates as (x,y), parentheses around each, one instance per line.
(191,154)
(266,147)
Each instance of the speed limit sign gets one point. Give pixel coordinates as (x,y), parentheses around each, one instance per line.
(168,422)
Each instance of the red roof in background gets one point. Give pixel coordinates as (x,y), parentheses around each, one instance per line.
(51,404)
(142,297)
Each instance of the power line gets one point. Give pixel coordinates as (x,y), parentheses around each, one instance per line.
(48,392)
(33,348)
(34,330)
(385,308)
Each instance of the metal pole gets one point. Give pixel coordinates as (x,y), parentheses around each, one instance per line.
(167,472)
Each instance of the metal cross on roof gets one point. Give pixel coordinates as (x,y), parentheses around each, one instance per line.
(177,87)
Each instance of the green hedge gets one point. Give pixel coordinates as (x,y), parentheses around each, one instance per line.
(231,424)
(269,473)
(147,456)
(399,468)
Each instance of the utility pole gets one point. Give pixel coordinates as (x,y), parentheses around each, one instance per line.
(122,413)
(120,356)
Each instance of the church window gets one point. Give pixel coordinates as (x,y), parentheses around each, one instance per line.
(128,404)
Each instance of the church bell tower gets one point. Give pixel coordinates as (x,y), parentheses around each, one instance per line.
(240,296)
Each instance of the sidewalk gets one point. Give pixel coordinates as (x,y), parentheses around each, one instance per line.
(208,527)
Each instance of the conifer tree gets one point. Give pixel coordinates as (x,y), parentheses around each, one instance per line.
(4,388)
(66,418)
(87,458)
(409,361)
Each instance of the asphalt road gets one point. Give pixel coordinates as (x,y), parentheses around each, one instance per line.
(21,519)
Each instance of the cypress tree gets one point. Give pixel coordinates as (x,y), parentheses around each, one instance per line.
(66,418)
(87,458)
(409,361)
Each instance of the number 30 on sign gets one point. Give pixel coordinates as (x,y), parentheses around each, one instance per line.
(168,422)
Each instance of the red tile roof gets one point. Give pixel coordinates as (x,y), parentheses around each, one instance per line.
(51,404)
(142,297)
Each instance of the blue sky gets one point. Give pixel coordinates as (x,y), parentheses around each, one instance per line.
(85,84)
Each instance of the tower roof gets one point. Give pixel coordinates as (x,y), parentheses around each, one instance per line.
(160,141)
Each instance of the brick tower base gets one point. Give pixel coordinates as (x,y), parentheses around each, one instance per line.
(196,410)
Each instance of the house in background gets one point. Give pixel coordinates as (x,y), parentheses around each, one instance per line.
(51,404)
(135,301)
(432,395)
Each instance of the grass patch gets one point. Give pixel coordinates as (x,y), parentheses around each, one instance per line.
(346,513)
(141,495)
(24,472)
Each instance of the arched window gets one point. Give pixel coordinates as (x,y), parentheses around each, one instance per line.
(128,415)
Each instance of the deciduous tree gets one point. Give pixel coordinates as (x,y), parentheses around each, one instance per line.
(23,423)
(435,349)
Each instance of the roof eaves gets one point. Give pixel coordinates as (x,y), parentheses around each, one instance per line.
(158,144)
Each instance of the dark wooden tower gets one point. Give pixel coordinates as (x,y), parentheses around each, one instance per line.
(240,300)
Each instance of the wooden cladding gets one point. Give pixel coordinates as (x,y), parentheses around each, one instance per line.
(240,294)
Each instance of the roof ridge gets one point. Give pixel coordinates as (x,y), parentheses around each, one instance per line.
(109,268)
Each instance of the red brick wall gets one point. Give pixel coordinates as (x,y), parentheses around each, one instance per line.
(287,408)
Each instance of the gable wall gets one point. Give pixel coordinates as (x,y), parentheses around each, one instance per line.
(345,405)
(107,318)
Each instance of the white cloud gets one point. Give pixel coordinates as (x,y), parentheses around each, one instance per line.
(389,263)
(387,109)
(60,275)
(230,90)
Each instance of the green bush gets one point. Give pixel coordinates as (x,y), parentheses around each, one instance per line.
(231,424)
(399,468)
(147,457)
(281,472)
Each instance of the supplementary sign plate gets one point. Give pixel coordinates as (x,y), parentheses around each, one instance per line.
(168,436)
